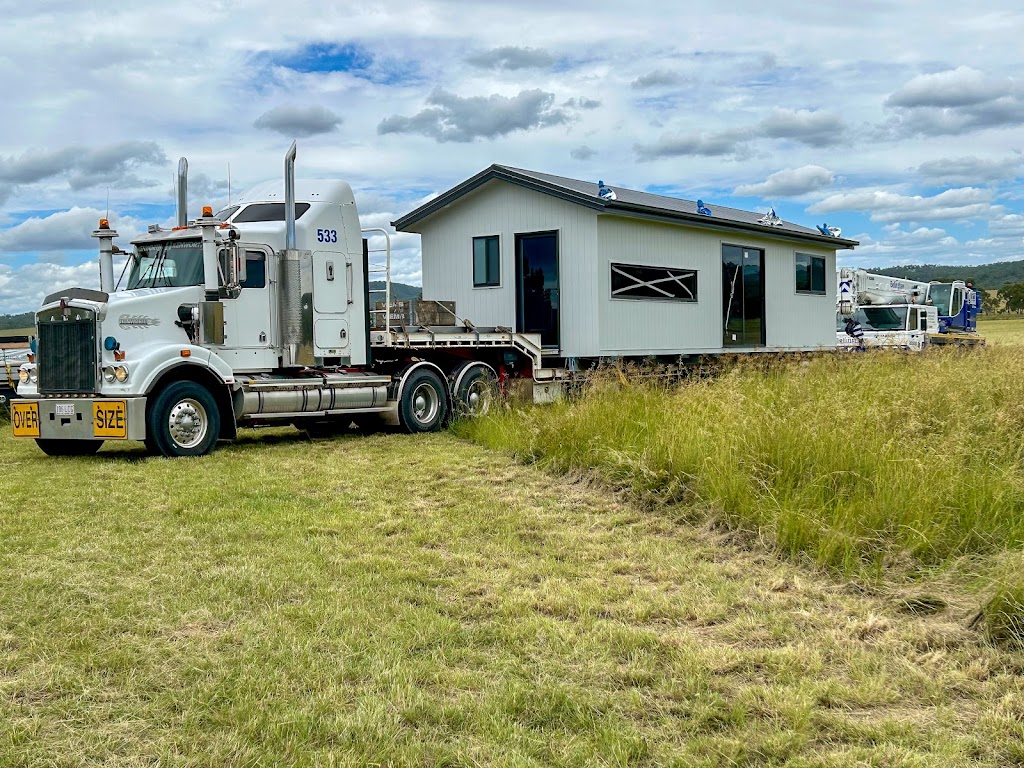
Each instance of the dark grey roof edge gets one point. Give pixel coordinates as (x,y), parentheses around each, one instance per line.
(713,222)
(487,174)
(516,176)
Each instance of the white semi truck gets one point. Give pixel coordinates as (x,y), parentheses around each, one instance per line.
(256,316)
(897,313)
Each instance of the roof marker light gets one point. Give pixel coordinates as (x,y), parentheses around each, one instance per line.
(207,210)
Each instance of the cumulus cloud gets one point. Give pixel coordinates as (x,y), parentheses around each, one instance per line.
(884,206)
(582,153)
(301,122)
(955,101)
(960,87)
(111,164)
(789,183)
(969,170)
(455,118)
(68,230)
(658,78)
(512,57)
(814,128)
(695,145)
(581,103)
(23,288)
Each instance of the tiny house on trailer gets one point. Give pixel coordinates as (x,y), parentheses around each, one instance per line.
(612,272)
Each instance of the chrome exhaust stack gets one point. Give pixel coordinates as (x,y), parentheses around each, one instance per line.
(183,192)
(289,197)
(295,271)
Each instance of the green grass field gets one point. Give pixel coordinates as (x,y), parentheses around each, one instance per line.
(399,600)
(422,600)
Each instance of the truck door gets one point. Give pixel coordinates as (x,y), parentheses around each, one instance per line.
(249,319)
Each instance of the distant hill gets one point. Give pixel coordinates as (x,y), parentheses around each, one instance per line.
(986,276)
(24,320)
(399,291)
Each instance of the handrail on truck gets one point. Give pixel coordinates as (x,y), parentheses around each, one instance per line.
(376,269)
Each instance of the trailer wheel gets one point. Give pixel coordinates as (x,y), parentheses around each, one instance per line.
(184,420)
(424,405)
(53,447)
(476,390)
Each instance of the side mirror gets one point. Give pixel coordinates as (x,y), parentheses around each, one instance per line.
(231,263)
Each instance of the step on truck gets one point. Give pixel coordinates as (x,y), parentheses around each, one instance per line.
(257,316)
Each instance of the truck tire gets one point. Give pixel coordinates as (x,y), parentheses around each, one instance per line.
(54,447)
(424,404)
(183,420)
(476,387)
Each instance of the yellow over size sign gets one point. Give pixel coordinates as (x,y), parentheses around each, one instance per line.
(109,420)
(25,419)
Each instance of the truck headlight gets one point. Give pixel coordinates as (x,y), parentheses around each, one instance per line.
(121,373)
(33,375)
(23,376)
(108,374)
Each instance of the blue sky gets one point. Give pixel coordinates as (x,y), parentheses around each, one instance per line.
(898,122)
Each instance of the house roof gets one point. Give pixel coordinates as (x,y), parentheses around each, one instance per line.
(628,202)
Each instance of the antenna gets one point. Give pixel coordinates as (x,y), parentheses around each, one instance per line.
(108,204)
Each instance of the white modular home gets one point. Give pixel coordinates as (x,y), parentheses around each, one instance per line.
(611,272)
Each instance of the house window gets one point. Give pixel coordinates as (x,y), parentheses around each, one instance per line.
(486,262)
(632,281)
(810,273)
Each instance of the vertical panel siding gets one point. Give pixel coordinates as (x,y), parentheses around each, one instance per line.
(504,209)
(592,323)
(798,320)
(643,327)
(652,326)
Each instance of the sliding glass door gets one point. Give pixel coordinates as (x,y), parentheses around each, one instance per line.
(742,296)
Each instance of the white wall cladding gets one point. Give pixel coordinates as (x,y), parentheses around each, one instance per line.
(654,326)
(505,209)
(592,322)
(798,320)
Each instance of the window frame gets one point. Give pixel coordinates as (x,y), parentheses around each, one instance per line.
(496,277)
(810,290)
(673,299)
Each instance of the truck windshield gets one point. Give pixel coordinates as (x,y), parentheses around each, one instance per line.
(171,264)
(882,318)
(939,295)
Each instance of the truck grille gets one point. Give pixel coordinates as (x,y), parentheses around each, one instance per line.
(67,357)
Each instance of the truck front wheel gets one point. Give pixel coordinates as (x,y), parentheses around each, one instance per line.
(53,447)
(183,420)
(424,403)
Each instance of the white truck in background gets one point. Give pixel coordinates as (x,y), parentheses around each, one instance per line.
(256,316)
(896,313)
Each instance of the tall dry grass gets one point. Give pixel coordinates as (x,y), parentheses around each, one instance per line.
(865,463)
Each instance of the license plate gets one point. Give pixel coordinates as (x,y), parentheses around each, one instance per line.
(109,419)
(65,409)
(25,419)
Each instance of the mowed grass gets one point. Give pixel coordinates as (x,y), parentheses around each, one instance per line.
(400,600)
(880,466)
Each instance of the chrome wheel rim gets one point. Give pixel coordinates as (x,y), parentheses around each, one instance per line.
(187,423)
(425,403)
(478,397)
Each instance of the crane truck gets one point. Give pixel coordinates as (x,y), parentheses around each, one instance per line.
(256,316)
(906,314)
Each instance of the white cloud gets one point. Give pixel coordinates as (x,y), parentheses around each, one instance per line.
(789,183)
(64,231)
(301,122)
(884,206)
